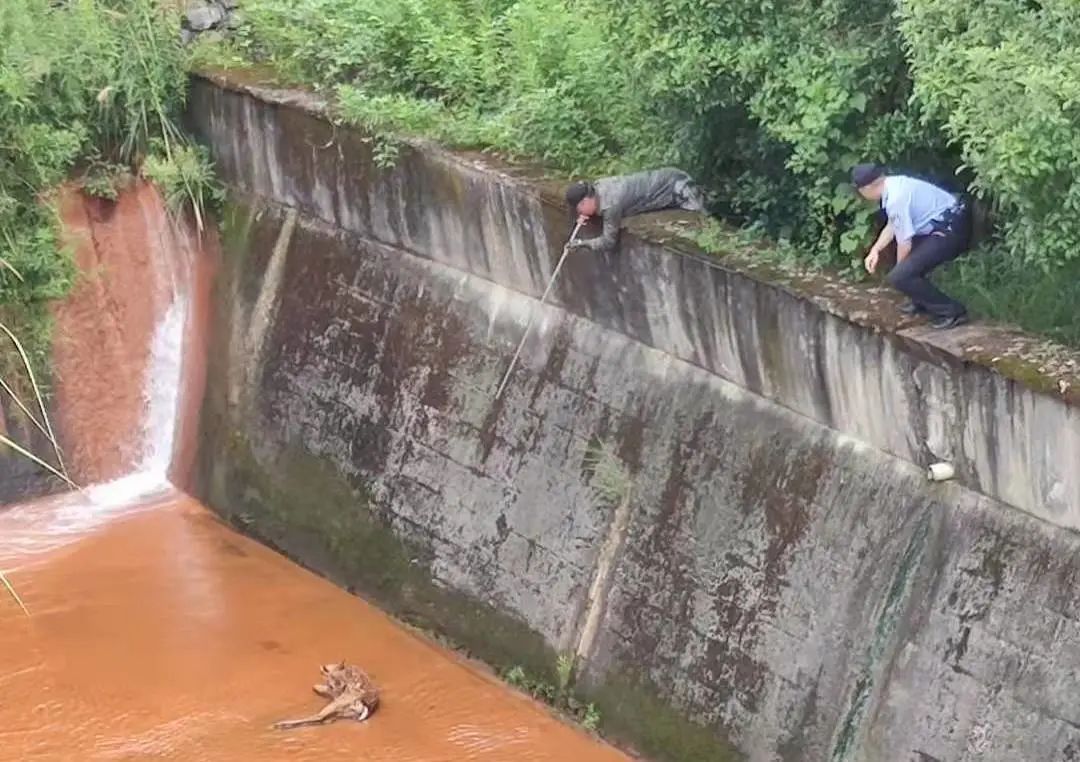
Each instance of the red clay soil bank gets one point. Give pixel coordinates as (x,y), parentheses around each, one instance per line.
(130,257)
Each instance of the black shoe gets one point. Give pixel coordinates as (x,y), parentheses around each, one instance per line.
(950,321)
(912,309)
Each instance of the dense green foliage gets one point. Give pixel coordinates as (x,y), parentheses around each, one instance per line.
(522,76)
(768,102)
(1003,77)
(85,83)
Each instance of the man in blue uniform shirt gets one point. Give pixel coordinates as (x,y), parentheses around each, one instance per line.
(930,227)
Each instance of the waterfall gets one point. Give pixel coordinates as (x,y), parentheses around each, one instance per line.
(39,525)
(161,395)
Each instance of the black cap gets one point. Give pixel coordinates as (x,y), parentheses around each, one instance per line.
(865,174)
(576,192)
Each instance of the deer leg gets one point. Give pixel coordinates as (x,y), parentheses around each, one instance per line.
(326,714)
(289,724)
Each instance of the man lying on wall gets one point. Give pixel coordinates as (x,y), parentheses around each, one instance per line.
(613,198)
(930,226)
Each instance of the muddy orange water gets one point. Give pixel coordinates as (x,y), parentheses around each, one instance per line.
(166,635)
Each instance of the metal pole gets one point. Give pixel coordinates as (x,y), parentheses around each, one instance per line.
(532,318)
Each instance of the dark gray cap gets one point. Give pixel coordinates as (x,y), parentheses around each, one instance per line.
(865,174)
(578,191)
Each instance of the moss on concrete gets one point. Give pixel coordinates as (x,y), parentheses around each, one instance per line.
(237,219)
(246,73)
(1028,372)
(633,713)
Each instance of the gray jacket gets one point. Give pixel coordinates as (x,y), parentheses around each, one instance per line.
(641,192)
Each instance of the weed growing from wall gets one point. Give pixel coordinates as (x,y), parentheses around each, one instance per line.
(611,480)
(559,695)
(185,177)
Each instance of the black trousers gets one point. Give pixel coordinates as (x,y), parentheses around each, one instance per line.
(945,244)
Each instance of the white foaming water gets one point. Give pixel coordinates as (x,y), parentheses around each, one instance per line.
(163,391)
(29,529)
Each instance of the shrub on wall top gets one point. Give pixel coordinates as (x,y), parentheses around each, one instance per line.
(1003,76)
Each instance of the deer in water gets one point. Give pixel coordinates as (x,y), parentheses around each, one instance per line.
(352,695)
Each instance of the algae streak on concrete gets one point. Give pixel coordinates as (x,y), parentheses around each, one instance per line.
(783,575)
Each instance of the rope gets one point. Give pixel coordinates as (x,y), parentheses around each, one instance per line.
(532,318)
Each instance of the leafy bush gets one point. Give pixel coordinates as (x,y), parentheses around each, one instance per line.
(104,180)
(520,76)
(770,104)
(82,81)
(185,177)
(1004,79)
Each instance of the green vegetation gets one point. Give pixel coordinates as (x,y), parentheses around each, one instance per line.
(104,180)
(520,76)
(1003,77)
(185,177)
(81,82)
(560,694)
(611,479)
(769,104)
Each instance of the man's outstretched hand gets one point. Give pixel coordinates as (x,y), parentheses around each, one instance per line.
(871,261)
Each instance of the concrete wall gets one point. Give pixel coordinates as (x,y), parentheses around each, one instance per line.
(779,574)
(20,478)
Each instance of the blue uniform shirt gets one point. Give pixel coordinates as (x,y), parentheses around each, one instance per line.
(912,205)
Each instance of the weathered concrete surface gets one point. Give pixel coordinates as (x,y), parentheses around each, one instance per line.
(783,575)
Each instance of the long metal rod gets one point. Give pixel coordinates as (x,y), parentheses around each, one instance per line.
(532,318)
